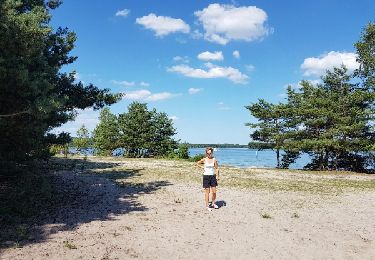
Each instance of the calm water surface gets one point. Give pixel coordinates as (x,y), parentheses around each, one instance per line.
(243,157)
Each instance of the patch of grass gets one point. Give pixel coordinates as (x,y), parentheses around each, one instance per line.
(265,215)
(317,182)
(17,244)
(69,245)
(178,200)
(295,215)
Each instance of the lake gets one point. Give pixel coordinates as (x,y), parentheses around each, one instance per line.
(244,157)
(240,157)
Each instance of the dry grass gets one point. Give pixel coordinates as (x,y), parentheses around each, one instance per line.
(328,182)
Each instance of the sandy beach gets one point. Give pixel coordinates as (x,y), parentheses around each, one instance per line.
(153,209)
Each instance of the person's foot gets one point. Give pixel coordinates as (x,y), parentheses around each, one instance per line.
(215,206)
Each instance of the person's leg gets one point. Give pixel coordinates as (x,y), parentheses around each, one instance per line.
(206,187)
(213,195)
(213,191)
(206,196)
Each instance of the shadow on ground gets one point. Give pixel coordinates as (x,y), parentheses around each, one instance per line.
(38,200)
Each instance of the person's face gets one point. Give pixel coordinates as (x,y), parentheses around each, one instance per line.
(209,153)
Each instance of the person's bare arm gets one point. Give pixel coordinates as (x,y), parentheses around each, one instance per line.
(216,165)
(200,163)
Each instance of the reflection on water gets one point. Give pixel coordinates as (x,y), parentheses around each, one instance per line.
(243,157)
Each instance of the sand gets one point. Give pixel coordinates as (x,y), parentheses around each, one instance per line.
(157,217)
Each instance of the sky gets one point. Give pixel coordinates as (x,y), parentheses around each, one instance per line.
(202,62)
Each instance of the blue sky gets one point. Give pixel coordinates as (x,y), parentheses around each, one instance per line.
(201,62)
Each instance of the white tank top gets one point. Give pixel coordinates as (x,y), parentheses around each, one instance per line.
(209,168)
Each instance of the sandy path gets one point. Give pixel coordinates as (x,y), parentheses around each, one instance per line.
(169,222)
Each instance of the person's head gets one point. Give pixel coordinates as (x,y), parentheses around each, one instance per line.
(209,152)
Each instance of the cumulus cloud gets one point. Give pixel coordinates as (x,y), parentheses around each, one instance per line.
(174,118)
(213,72)
(124,83)
(236,54)
(163,25)
(184,59)
(193,91)
(318,66)
(146,95)
(249,67)
(225,23)
(123,13)
(87,117)
(196,34)
(144,84)
(206,56)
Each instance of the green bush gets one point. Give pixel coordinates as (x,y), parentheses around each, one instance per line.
(196,158)
(183,151)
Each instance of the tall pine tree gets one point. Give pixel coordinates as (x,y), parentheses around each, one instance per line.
(35,95)
(106,133)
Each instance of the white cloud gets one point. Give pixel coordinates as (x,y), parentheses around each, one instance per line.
(174,118)
(163,25)
(87,117)
(146,95)
(196,34)
(236,54)
(249,67)
(194,90)
(123,13)
(137,94)
(206,56)
(160,96)
(318,66)
(144,84)
(213,72)
(123,83)
(222,106)
(297,86)
(181,40)
(76,76)
(224,23)
(184,59)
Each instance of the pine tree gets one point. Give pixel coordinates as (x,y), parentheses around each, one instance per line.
(106,133)
(270,127)
(162,142)
(35,96)
(82,141)
(136,130)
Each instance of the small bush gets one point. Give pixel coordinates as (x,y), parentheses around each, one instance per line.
(183,151)
(266,215)
(69,245)
(196,158)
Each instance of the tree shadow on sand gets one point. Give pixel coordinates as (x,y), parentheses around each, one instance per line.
(64,195)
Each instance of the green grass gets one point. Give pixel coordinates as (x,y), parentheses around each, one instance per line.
(322,182)
(265,215)
(69,245)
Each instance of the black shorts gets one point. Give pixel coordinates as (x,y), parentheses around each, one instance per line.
(209,181)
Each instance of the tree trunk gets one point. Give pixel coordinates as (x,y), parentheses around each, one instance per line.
(278,157)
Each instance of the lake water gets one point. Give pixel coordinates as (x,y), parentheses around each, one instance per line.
(243,157)
(240,157)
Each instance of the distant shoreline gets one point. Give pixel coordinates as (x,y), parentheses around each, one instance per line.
(218,145)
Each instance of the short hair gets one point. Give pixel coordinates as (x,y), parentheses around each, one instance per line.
(209,148)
